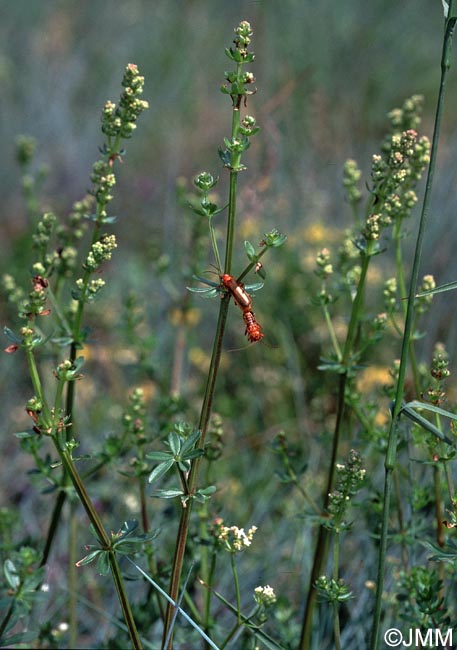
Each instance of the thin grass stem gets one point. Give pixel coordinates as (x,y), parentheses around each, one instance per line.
(321,549)
(391,453)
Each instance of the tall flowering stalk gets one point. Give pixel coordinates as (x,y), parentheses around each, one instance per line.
(56,267)
(239,87)
(394,175)
(390,461)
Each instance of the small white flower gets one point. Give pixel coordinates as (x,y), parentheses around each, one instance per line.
(445,8)
(265,595)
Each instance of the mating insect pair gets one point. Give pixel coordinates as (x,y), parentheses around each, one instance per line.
(243,300)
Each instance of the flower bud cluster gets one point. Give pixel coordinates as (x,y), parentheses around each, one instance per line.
(265,596)
(324,266)
(440,363)
(73,231)
(390,294)
(243,33)
(133,418)
(104,181)
(351,177)
(407,117)
(26,146)
(66,261)
(394,176)
(43,232)
(232,538)
(249,126)
(331,590)
(100,252)
(14,292)
(68,370)
(423,303)
(349,480)
(120,121)
(372,228)
(37,299)
(237,80)
(205,181)
(440,372)
(273,239)
(93,287)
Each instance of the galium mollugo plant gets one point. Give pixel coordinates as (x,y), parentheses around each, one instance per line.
(186,455)
(350,478)
(63,284)
(395,172)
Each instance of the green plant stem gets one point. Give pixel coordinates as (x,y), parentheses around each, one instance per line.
(336,616)
(331,330)
(231,221)
(205,413)
(208,593)
(391,453)
(37,387)
(237,587)
(214,244)
(438,506)
(72,578)
(321,549)
(400,275)
(439,516)
(53,524)
(401,527)
(7,618)
(69,407)
(104,540)
(203,424)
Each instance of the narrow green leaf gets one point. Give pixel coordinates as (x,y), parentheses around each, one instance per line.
(190,441)
(211,489)
(11,574)
(62,341)
(446,554)
(254,287)
(89,558)
(174,441)
(431,407)
(184,465)
(11,336)
(128,527)
(205,293)
(250,251)
(26,434)
(210,283)
(103,566)
(181,611)
(158,455)
(167,494)
(449,286)
(269,642)
(195,453)
(160,470)
(425,424)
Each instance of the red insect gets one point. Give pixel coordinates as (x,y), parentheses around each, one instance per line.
(253,329)
(239,293)
(244,302)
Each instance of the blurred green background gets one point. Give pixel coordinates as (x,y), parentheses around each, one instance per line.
(326,75)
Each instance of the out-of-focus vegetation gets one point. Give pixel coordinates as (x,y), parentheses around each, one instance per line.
(327,75)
